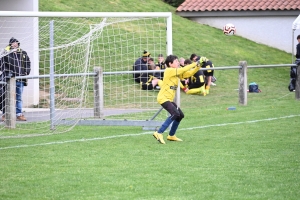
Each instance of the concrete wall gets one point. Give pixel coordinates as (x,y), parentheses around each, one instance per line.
(26,31)
(272,31)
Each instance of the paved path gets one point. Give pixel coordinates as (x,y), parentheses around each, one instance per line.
(40,114)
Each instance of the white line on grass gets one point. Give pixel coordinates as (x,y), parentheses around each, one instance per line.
(285,95)
(144,133)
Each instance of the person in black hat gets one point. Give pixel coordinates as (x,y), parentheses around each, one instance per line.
(14,62)
(141,64)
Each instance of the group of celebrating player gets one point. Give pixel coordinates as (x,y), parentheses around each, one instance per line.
(195,83)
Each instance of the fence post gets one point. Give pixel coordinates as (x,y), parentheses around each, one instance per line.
(98,93)
(243,83)
(297,88)
(10,104)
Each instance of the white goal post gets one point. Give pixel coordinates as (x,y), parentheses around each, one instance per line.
(78,43)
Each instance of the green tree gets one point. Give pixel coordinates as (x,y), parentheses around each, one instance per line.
(174,3)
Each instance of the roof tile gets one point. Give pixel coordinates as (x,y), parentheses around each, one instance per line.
(237,5)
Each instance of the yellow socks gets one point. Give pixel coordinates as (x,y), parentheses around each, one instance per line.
(200,90)
(207,89)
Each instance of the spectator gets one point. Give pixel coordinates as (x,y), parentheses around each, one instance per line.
(298,48)
(151,83)
(181,61)
(141,64)
(16,62)
(167,93)
(161,64)
(183,81)
(293,71)
(151,64)
(150,80)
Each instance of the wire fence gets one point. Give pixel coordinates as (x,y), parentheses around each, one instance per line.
(98,76)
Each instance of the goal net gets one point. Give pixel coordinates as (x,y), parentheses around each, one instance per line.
(66,48)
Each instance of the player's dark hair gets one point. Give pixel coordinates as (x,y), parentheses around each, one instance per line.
(170,59)
(193,56)
(187,62)
(298,37)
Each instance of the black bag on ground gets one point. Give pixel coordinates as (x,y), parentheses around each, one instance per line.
(253,87)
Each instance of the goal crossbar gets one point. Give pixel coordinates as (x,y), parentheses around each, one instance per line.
(66,46)
(83,14)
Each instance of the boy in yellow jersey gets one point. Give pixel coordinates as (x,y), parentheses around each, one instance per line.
(167,93)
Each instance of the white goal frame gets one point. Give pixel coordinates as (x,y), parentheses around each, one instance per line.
(35,39)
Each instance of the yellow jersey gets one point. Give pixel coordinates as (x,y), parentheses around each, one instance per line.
(169,84)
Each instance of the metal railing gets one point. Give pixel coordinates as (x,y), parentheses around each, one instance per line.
(98,91)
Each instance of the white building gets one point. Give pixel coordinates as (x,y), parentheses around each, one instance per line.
(267,22)
(28,37)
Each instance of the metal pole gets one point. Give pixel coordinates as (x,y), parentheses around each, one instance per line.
(169,35)
(293,45)
(98,93)
(87,60)
(52,85)
(10,104)
(153,117)
(243,83)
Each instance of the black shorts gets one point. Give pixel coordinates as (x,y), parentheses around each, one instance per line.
(146,86)
(208,65)
(175,112)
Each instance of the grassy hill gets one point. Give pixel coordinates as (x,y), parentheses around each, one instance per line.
(188,37)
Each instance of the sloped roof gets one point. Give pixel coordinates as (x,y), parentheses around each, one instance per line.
(238,5)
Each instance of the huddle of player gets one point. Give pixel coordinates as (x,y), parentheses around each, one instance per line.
(197,83)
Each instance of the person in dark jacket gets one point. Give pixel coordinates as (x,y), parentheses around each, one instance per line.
(14,61)
(298,48)
(141,64)
(293,71)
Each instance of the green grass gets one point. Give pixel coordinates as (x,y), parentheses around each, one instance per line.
(250,153)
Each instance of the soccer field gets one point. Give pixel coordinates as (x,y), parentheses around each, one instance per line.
(251,152)
(248,153)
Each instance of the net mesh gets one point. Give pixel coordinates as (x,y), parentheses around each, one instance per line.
(80,45)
